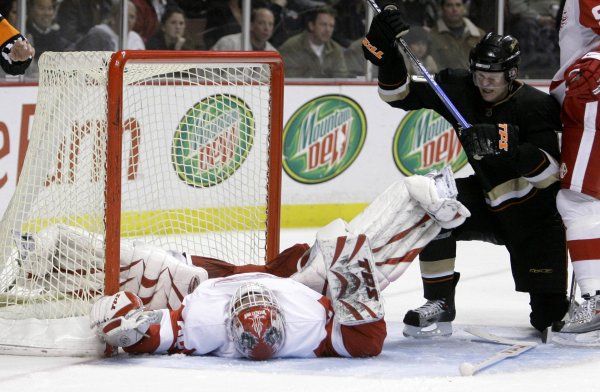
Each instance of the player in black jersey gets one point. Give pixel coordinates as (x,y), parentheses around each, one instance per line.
(15,51)
(513,149)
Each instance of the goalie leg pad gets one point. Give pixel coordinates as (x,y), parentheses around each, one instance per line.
(59,257)
(312,267)
(353,288)
(398,228)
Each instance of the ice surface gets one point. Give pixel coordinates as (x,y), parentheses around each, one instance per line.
(485,297)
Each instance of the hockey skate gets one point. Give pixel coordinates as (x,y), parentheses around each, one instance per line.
(584,318)
(435,317)
(432,319)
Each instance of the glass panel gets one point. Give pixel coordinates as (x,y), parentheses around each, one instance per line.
(317,38)
(533,23)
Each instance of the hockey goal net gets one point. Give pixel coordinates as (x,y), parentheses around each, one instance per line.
(179,150)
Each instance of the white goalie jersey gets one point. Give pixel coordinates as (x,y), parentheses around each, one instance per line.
(199,326)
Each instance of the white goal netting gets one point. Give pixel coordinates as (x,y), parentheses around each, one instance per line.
(195,175)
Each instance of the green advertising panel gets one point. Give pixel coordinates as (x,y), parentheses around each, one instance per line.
(212,141)
(425,141)
(322,138)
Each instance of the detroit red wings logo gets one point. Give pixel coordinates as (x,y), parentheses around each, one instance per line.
(258,318)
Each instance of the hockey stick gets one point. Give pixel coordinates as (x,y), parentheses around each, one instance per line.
(430,80)
(491,338)
(469,369)
(516,348)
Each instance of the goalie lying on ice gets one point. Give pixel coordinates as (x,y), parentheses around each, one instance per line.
(252,315)
(388,234)
(258,315)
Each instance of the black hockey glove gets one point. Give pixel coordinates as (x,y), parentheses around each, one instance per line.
(379,44)
(490,140)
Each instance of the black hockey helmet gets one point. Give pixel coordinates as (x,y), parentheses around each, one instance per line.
(496,53)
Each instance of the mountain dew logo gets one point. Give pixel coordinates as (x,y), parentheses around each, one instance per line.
(323,138)
(212,141)
(424,141)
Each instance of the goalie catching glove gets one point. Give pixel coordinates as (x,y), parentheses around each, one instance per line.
(490,140)
(379,44)
(120,320)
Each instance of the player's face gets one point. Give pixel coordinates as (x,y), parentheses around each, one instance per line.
(321,29)
(493,86)
(174,26)
(262,26)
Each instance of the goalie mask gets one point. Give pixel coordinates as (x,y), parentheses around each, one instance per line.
(256,323)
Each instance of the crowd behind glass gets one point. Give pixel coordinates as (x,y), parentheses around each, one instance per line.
(317,39)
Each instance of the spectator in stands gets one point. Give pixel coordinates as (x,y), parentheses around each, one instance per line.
(262,21)
(484,13)
(77,17)
(171,33)
(350,21)
(313,53)
(224,17)
(533,23)
(288,22)
(543,11)
(418,41)
(105,35)
(44,32)
(420,12)
(453,36)
(149,15)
